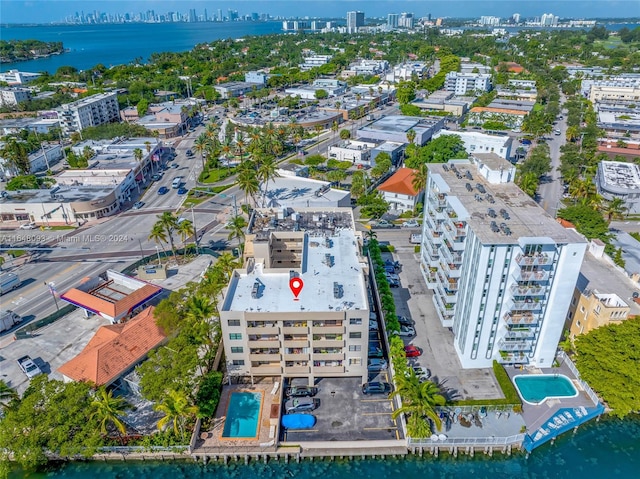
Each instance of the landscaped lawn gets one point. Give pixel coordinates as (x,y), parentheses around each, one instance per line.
(215,175)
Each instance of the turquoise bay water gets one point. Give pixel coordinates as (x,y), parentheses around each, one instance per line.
(536,388)
(608,449)
(243,414)
(117,44)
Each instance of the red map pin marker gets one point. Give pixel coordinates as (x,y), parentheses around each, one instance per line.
(296,285)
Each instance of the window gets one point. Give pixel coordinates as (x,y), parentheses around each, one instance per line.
(355,347)
(233,322)
(355,361)
(238,362)
(355,335)
(237,349)
(235,336)
(355,321)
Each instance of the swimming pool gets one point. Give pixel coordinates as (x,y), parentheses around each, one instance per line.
(537,388)
(243,415)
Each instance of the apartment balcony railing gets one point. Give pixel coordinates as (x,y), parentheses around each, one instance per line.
(327,329)
(328,343)
(295,330)
(450,269)
(513,358)
(328,369)
(511,346)
(521,319)
(296,357)
(438,199)
(522,290)
(297,369)
(450,256)
(296,343)
(264,357)
(538,259)
(520,334)
(526,305)
(262,329)
(538,275)
(267,369)
(449,297)
(328,356)
(264,343)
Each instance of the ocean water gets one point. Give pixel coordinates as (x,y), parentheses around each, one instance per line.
(117,44)
(608,449)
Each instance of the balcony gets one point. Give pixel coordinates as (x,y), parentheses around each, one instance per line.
(450,269)
(521,319)
(437,199)
(328,369)
(263,329)
(520,334)
(526,305)
(265,357)
(296,343)
(263,343)
(266,369)
(297,370)
(295,330)
(327,329)
(538,259)
(510,346)
(513,358)
(328,343)
(296,357)
(328,356)
(527,290)
(449,256)
(535,275)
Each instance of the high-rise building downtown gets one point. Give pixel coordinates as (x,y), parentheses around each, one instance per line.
(502,271)
(392,20)
(354,21)
(406,20)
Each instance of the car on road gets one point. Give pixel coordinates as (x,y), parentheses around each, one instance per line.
(375,365)
(301,404)
(182,190)
(376,388)
(411,224)
(163,190)
(557,132)
(176,183)
(189,153)
(412,351)
(382,224)
(138,204)
(525,141)
(392,277)
(28,226)
(300,391)
(28,367)
(175,165)
(156,177)
(406,331)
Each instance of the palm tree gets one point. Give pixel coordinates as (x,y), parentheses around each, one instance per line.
(199,308)
(615,210)
(419,181)
(419,402)
(177,410)
(334,128)
(147,145)
(267,171)
(227,263)
(529,183)
(200,145)
(411,135)
(248,182)
(185,229)
(236,226)
(159,235)
(169,223)
(7,395)
(109,409)
(137,154)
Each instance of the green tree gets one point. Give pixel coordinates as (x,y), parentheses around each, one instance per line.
(267,170)
(159,235)
(358,183)
(7,395)
(185,229)
(345,134)
(411,135)
(109,409)
(336,176)
(373,205)
(615,210)
(169,223)
(439,150)
(137,154)
(419,181)
(236,227)
(53,417)
(419,402)
(382,166)
(248,182)
(587,220)
(177,411)
(321,94)
(142,107)
(528,182)
(200,146)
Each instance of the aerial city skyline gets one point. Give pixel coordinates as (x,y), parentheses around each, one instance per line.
(115,11)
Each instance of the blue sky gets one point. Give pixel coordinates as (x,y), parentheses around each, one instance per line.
(44,11)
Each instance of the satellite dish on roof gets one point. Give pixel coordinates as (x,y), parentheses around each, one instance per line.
(635,294)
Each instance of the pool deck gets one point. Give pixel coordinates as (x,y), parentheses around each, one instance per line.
(211,439)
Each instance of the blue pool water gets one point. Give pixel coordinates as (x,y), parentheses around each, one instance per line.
(537,388)
(243,415)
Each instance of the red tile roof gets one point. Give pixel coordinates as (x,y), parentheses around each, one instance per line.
(114,349)
(400,182)
(116,309)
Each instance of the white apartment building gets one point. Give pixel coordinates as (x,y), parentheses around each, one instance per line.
(355,20)
(489,20)
(314,61)
(324,331)
(16,77)
(356,151)
(501,269)
(461,83)
(475,142)
(406,20)
(406,71)
(91,111)
(13,96)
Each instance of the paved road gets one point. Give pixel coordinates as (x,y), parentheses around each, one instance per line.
(550,191)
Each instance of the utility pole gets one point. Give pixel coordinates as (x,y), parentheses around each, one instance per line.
(52,289)
(195,231)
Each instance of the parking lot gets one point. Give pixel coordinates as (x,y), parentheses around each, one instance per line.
(414,300)
(345,414)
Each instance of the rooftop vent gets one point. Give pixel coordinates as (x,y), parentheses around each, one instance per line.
(504,214)
(491,212)
(469,187)
(328,260)
(255,292)
(478,198)
(468,175)
(490,199)
(494,227)
(338,290)
(445,167)
(480,188)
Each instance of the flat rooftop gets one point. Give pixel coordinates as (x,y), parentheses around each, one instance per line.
(291,190)
(623,176)
(400,124)
(332,274)
(63,194)
(488,207)
(598,275)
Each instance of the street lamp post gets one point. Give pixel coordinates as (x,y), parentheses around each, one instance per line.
(195,231)
(235,205)
(52,289)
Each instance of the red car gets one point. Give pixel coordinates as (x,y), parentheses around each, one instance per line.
(412,351)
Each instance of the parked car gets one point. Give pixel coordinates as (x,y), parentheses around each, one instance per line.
(375,365)
(300,391)
(406,331)
(404,321)
(421,372)
(163,190)
(376,388)
(557,132)
(28,226)
(382,224)
(373,325)
(182,190)
(175,165)
(189,153)
(375,352)
(412,351)
(28,367)
(393,283)
(156,177)
(138,204)
(411,224)
(392,276)
(301,404)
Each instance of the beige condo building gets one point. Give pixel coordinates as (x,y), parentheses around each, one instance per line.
(321,333)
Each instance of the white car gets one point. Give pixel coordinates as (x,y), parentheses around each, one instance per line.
(411,224)
(28,226)
(406,332)
(422,373)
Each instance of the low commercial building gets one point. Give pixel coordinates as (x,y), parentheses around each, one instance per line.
(356,151)
(444,101)
(365,67)
(308,92)
(237,88)
(475,142)
(322,330)
(616,179)
(509,112)
(168,119)
(395,127)
(406,71)
(400,192)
